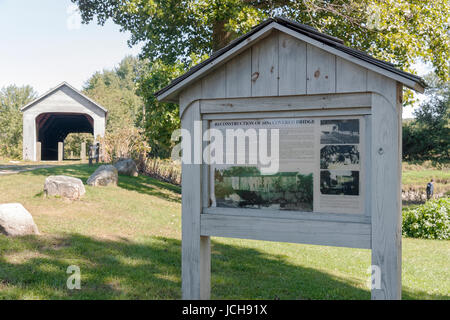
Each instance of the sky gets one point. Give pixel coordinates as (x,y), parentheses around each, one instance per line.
(43,43)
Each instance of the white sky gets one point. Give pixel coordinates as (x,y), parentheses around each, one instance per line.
(422,69)
(42,43)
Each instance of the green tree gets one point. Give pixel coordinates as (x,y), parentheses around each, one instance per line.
(414,143)
(116,91)
(305,188)
(12,98)
(428,135)
(397,31)
(172,32)
(160,119)
(72,144)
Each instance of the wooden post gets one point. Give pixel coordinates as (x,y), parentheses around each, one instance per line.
(83,151)
(97,152)
(38,151)
(386,199)
(91,154)
(196,251)
(276,73)
(60,151)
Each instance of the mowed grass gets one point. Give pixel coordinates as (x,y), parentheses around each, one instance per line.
(126,241)
(416,176)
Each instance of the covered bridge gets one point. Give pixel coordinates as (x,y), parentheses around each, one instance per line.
(51,117)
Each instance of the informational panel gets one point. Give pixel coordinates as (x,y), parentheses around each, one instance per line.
(308,164)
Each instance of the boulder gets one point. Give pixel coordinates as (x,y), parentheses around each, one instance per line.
(15,220)
(104,176)
(64,186)
(127,167)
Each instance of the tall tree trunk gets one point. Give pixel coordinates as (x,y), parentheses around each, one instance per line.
(221,37)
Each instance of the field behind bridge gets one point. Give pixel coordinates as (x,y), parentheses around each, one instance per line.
(415,176)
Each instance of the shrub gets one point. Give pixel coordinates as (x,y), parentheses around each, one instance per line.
(72,143)
(12,98)
(163,169)
(429,221)
(125,142)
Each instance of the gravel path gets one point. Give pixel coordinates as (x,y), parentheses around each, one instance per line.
(13,169)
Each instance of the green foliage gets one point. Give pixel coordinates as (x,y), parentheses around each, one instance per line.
(222,190)
(242,171)
(305,188)
(12,98)
(72,144)
(164,170)
(430,220)
(174,32)
(160,119)
(116,91)
(125,142)
(427,137)
(397,31)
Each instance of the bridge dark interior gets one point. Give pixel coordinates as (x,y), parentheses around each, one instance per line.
(54,127)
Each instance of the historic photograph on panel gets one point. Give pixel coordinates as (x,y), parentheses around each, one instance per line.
(339,157)
(339,131)
(246,187)
(342,182)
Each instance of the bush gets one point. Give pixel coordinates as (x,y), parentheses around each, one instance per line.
(12,98)
(429,221)
(163,169)
(125,142)
(72,144)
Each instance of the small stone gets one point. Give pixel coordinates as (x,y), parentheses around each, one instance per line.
(64,186)
(104,175)
(15,220)
(127,167)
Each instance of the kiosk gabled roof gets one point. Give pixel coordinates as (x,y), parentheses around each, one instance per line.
(329,43)
(62,84)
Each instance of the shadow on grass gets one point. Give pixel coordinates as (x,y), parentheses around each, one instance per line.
(151,186)
(120,269)
(142,184)
(81,171)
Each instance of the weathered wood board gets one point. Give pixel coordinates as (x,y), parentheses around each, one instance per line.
(285,75)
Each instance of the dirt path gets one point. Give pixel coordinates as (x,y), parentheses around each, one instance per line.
(13,169)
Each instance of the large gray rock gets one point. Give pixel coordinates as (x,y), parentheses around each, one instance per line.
(15,220)
(104,175)
(127,167)
(64,186)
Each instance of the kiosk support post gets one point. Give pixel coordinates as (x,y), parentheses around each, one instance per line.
(386,200)
(196,251)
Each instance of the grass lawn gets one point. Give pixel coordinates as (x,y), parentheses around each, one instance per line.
(416,176)
(126,241)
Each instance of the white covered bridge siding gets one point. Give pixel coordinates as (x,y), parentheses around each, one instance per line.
(51,117)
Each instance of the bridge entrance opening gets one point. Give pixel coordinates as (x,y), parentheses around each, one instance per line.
(54,127)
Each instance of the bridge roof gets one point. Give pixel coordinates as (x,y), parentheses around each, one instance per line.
(51,91)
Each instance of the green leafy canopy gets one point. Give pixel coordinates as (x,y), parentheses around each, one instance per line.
(427,137)
(176,34)
(12,98)
(116,90)
(402,32)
